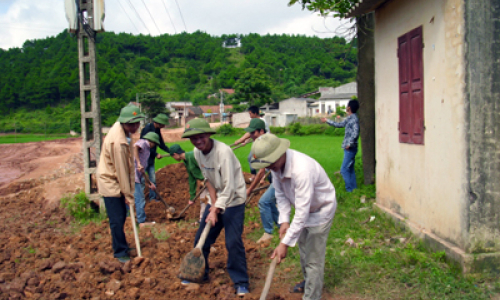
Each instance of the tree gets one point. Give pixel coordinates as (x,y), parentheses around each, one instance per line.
(152,104)
(253,87)
(365,26)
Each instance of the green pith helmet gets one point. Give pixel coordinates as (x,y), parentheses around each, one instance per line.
(161,119)
(267,149)
(153,137)
(255,124)
(175,149)
(197,126)
(130,114)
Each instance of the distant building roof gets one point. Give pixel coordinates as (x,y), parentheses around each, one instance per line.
(345,91)
(309,100)
(195,110)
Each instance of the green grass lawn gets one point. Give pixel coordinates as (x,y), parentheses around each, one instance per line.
(387,263)
(27,138)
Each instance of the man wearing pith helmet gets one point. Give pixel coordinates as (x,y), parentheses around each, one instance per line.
(159,122)
(115,176)
(226,208)
(299,181)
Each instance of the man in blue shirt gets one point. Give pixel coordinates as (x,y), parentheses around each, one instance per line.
(350,143)
(158,123)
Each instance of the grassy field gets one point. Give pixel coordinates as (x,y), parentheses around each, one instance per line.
(387,262)
(27,138)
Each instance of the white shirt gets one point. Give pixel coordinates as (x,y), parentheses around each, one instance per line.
(223,170)
(267,125)
(305,185)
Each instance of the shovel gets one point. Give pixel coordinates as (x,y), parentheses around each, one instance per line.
(234,147)
(193,266)
(168,209)
(180,216)
(269,278)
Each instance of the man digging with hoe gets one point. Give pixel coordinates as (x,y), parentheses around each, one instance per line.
(115,176)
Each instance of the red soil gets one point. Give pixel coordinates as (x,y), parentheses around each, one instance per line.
(43,255)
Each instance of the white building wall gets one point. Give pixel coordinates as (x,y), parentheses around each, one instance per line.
(424,183)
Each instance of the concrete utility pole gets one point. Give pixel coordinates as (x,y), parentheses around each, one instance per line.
(88,22)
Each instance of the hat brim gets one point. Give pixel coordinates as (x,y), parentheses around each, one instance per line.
(250,129)
(192,132)
(161,121)
(265,162)
(135,119)
(154,140)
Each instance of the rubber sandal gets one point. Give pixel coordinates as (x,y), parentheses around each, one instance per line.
(299,287)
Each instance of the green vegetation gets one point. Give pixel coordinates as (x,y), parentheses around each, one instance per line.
(27,138)
(80,207)
(40,81)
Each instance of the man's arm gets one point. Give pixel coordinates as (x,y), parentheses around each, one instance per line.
(242,139)
(337,124)
(162,143)
(304,191)
(121,161)
(140,167)
(257,179)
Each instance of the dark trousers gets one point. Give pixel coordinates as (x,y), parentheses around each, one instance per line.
(232,221)
(117,214)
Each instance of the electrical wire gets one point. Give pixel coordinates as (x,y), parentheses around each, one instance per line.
(151,17)
(164,5)
(185,28)
(139,16)
(127,15)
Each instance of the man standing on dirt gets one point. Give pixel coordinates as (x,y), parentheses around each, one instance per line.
(193,170)
(226,209)
(254,113)
(350,143)
(267,204)
(115,176)
(300,181)
(159,122)
(141,154)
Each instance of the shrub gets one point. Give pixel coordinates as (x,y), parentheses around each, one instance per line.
(277,130)
(79,206)
(229,130)
(332,131)
(294,129)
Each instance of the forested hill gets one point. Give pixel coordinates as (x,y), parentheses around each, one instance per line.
(179,67)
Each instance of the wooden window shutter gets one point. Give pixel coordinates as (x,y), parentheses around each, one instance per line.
(411,87)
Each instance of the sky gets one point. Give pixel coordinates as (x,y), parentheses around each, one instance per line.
(23,20)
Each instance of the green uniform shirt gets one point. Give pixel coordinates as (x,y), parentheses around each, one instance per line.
(194,173)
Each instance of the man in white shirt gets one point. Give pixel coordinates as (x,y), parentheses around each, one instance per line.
(300,181)
(226,208)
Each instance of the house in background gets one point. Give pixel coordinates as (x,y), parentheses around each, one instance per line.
(437,82)
(333,98)
(178,109)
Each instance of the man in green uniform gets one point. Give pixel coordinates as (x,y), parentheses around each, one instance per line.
(193,170)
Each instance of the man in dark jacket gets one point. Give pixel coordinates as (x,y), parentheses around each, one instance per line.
(158,123)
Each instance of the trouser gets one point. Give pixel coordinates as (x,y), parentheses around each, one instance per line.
(250,158)
(117,214)
(312,248)
(232,221)
(140,201)
(150,169)
(347,169)
(268,211)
